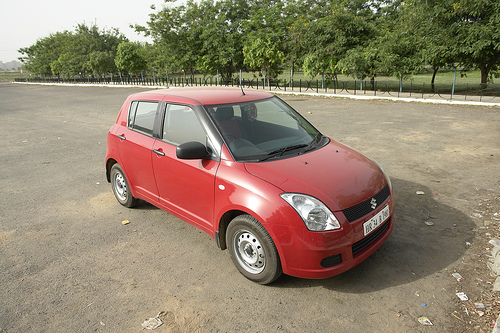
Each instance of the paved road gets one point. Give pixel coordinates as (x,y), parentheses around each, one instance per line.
(67,264)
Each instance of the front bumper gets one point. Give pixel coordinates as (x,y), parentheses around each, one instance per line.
(318,255)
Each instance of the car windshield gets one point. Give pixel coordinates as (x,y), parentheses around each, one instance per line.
(263,130)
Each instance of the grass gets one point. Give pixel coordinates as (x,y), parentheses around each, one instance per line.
(8,76)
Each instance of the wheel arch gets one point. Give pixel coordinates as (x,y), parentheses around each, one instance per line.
(109,164)
(227,217)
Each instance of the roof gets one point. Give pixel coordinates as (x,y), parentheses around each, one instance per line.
(203,95)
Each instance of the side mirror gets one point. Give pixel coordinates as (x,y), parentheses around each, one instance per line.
(191,151)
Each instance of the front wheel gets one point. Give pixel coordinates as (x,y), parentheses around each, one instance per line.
(121,188)
(252,250)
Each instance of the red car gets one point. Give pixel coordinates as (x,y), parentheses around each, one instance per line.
(250,171)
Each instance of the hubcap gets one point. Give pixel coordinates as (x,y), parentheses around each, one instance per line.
(120,187)
(249,251)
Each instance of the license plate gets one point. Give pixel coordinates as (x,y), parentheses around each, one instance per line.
(375,221)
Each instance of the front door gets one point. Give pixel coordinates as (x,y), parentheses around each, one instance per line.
(185,187)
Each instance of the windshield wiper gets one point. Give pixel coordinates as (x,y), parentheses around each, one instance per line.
(281,151)
(312,145)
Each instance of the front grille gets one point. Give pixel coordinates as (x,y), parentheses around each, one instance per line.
(356,212)
(331,261)
(365,242)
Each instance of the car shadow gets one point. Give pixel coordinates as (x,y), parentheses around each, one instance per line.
(144,205)
(413,251)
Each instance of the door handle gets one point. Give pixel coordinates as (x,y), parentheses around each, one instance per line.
(158,152)
(121,137)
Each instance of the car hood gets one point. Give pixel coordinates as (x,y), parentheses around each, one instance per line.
(337,175)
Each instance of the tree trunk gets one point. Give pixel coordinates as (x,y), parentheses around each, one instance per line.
(435,70)
(486,68)
(484,75)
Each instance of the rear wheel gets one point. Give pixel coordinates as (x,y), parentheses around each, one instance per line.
(121,188)
(252,250)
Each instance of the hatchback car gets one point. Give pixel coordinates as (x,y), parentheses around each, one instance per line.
(250,171)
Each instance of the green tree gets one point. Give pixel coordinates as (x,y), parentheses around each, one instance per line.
(68,64)
(177,30)
(69,53)
(101,62)
(361,62)
(407,45)
(265,54)
(475,25)
(222,48)
(204,35)
(38,57)
(342,26)
(265,31)
(155,57)
(129,58)
(397,41)
(455,33)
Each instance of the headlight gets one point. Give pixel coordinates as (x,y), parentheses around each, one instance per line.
(316,216)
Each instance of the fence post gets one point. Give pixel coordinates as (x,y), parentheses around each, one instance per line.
(453,86)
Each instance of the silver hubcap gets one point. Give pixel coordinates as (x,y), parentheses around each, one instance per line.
(120,186)
(249,252)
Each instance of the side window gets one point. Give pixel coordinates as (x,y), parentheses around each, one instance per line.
(181,125)
(142,115)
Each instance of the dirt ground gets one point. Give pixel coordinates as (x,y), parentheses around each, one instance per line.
(68,264)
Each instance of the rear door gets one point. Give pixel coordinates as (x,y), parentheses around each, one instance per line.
(185,187)
(135,143)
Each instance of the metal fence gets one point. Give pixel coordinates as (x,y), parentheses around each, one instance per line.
(401,89)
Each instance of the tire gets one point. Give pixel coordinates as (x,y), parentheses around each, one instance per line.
(120,187)
(252,250)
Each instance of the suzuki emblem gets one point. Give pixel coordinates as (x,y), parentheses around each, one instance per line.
(373,203)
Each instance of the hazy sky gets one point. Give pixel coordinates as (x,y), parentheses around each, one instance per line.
(22,23)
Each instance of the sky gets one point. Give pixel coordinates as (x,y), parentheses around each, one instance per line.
(22,23)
